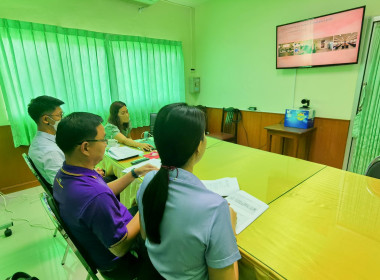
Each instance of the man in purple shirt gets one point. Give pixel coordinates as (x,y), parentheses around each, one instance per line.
(103,227)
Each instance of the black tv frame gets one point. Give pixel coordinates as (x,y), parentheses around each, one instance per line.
(153,117)
(324,65)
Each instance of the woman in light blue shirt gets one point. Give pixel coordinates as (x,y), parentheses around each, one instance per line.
(118,126)
(189,230)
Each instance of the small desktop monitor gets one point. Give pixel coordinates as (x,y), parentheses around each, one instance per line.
(153,117)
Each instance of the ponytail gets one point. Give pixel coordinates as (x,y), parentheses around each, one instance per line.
(154,201)
(178,130)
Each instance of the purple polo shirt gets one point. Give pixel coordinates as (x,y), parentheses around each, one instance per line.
(91,212)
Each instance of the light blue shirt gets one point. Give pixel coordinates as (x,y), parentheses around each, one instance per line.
(196,230)
(46,155)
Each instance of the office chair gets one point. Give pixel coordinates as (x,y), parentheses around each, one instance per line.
(230,119)
(153,117)
(48,188)
(373,169)
(53,213)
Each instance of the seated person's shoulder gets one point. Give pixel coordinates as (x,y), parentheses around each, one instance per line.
(111,130)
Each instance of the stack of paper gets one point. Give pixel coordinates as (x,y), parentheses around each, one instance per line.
(247,207)
(156,162)
(223,187)
(120,153)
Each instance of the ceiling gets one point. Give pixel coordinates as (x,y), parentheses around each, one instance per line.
(190,3)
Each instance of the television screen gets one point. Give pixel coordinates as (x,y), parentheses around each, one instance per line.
(322,41)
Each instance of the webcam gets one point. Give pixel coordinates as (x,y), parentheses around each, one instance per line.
(306,103)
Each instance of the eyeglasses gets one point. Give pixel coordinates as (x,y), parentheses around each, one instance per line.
(94,140)
(58,115)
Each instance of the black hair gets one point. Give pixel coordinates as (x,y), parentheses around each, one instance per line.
(42,105)
(114,117)
(178,130)
(75,128)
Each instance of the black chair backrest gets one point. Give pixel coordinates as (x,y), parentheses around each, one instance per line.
(153,117)
(74,245)
(373,169)
(230,118)
(48,188)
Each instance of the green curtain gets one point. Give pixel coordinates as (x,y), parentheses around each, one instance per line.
(87,70)
(146,74)
(368,123)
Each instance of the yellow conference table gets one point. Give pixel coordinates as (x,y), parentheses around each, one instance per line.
(265,175)
(328,227)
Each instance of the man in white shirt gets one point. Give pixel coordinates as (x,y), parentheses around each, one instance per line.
(44,152)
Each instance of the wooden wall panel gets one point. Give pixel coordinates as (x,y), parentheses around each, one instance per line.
(136,133)
(328,143)
(269,119)
(214,119)
(15,174)
(327,146)
(249,129)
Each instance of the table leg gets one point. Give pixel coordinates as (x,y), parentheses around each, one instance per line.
(295,147)
(282,145)
(269,141)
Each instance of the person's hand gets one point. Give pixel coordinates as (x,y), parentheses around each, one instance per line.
(141,171)
(233,219)
(100,171)
(145,147)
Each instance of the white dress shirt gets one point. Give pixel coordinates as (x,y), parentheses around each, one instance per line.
(46,155)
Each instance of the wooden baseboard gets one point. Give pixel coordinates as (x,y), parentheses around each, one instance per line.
(20,187)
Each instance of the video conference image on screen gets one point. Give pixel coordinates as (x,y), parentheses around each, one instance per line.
(320,45)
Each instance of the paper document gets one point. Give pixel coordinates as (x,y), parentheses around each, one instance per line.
(247,207)
(120,153)
(223,187)
(156,162)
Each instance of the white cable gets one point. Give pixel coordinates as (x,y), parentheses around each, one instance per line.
(22,219)
(5,204)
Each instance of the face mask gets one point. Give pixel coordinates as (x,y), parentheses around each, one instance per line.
(55,125)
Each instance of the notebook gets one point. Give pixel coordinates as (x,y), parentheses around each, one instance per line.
(156,162)
(247,207)
(120,153)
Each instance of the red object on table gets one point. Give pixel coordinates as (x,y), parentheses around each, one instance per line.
(152,155)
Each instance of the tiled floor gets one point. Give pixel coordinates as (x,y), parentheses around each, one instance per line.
(33,249)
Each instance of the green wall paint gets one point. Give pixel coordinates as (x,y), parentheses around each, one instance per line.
(235,42)
(161,20)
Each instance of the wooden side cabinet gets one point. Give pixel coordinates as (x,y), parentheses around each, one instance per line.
(301,139)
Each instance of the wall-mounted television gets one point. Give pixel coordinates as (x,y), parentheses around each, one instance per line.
(327,40)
